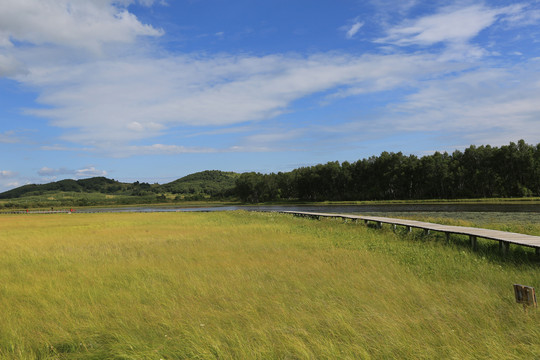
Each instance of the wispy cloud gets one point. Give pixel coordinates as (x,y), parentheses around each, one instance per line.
(456,27)
(487,105)
(162,149)
(401,7)
(89,171)
(115,102)
(353,29)
(9,137)
(7,174)
(121,105)
(45,171)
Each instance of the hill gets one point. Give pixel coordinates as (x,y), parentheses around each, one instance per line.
(103,191)
(209,182)
(96,184)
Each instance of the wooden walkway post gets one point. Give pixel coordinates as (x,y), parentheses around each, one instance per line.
(504,246)
(474,242)
(503,237)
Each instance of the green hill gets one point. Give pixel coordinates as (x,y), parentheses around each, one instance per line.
(209,182)
(103,191)
(96,184)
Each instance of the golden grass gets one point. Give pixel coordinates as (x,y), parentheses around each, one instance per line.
(241,285)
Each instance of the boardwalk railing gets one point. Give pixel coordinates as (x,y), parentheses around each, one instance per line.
(503,237)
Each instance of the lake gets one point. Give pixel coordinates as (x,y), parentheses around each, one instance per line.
(345,209)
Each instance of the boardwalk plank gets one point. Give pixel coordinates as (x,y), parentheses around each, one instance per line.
(497,235)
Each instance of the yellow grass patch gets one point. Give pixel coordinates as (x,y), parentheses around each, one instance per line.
(246,285)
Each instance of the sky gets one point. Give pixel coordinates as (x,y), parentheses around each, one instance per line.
(153,90)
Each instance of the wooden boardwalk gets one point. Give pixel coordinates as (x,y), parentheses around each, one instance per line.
(503,237)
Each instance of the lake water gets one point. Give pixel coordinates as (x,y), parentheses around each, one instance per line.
(344,209)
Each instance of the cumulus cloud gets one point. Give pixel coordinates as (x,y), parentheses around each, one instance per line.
(84,24)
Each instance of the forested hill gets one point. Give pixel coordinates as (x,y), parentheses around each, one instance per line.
(477,172)
(209,182)
(199,185)
(96,184)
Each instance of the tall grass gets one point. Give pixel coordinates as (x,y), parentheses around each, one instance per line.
(522,222)
(241,285)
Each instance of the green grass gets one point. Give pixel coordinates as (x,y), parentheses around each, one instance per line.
(238,285)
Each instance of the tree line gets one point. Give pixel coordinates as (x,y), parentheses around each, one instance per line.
(477,172)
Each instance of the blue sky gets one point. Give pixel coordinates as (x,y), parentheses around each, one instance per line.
(153,90)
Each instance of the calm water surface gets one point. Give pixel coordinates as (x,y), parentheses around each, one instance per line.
(345,209)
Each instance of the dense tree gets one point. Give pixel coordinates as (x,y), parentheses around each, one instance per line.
(478,171)
(483,171)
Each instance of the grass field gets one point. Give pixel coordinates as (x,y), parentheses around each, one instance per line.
(239,285)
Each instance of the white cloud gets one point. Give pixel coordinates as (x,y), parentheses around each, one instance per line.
(9,137)
(150,2)
(353,30)
(456,27)
(522,15)
(10,66)
(7,174)
(106,104)
(386,9)
(87,24)
(477,106)
(45,171)
(484,106)
(161,149)
(271,139)
(450,25)
(109,102)
(89,172)
(57,147)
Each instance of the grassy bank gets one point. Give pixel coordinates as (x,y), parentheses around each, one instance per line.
(250,285)
(77,200)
